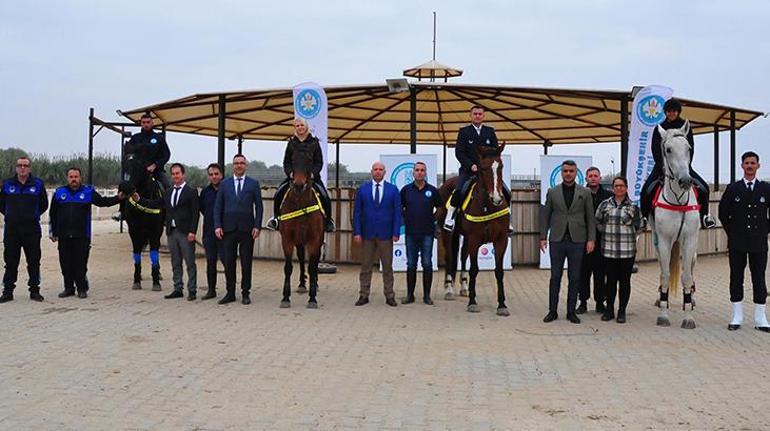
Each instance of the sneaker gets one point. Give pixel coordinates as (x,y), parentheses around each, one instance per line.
(272,224)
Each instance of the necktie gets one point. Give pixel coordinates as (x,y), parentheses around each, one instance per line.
(750,184)
(176,196)
(377,194)
(238,191)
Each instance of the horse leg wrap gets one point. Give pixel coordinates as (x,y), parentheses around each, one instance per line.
(663,296)
(687,300)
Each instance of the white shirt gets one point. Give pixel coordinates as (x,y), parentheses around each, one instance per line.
(478,129)
(175,198)
(753,183)
(235,183)
(374,189)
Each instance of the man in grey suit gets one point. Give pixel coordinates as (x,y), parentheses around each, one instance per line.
(568,213)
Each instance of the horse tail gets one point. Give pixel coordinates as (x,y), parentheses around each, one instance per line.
(675,269)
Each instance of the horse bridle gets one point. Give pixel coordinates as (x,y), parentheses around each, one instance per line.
(670,175)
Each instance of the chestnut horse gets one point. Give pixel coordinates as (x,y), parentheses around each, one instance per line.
(451,243)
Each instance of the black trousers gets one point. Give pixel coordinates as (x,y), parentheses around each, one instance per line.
(573,253)
(15,239)
(757,265)
(238,243)
(593,265)
(73,260)
(619,279)
(215,251)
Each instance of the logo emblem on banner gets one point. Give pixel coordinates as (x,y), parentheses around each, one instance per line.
(650,110)
(308,103)
(556,176)
(407,169)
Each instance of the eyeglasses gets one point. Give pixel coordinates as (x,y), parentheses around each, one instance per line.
(21,165)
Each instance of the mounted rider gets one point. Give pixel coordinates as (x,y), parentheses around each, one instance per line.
(674,120)
(469,139)
(150,150)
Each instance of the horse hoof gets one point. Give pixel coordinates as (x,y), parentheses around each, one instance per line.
(657,303)
(663,321)
(502,311)
(285,304)
(473,308)
(449,296)
(137,286)
(312,305)
(464,292)
(302,289)
(688,324)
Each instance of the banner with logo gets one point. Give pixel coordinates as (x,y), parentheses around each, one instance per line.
(486,257)
(647,112)
(398,171)
(550,176)
(310,104)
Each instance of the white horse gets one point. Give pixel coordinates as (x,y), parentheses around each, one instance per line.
(675,224)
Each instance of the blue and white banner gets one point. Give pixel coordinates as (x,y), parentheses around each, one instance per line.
(398,171)
(646,113)
(310,104)
(550,176)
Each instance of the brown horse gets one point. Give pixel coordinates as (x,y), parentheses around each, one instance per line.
(484,220)
(301,227)
(451,243)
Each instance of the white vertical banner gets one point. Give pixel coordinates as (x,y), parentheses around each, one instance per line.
(486,257)
(398,171)
(310,104)
(550,176)
(647,112)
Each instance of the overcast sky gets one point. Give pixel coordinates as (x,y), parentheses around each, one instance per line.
(57,59)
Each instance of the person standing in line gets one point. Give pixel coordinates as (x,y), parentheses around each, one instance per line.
(181,202)
(592,262)
(211,244)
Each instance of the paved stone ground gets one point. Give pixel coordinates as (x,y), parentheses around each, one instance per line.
(125,359)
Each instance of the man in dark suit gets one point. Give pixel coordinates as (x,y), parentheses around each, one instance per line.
(238,222)
(376,226)
(181,202)
(743,211)
(211,244)
(593,264)
(568,213)
(469,139)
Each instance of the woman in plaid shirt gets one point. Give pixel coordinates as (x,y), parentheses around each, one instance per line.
(618,219)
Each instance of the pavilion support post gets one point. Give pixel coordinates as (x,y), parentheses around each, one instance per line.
(623,135)
(337,164)
(732,147)
(338,203)
(412,120)
(716,158)
(443,175)
(545,148)
(221,131)
(240,144)
(91,146)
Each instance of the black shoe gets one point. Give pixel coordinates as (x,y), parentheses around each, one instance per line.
(209,295)
(67,293)
(36,296)
(621,317)
(407,300)
(427,301)
(762,328)
(391,302)
(732,327)
(608,315)
(362,301)
(191,297)
(246,300)
(550,317)
(600,307)
(582,308)
(175,294)
(573,318)
(7,296)
(82,294)
(230,297)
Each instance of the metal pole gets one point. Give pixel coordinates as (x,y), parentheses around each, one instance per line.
(623,135)
(91,146)
(240,144)
(122,173)
(732,146)
(443,178)
(434,36)
(337,166)
(545,148)
(716,158)
(412,120)
(221,130)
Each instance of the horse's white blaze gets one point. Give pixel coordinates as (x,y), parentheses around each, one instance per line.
(496,193)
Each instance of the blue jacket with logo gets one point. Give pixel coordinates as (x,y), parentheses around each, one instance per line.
(70,213)
(22,204)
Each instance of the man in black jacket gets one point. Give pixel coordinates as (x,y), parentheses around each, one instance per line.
(743,211)
(70,226)
(182,215)
(151,149)
(674,120)
(593,263)
(469,139)
(23,199)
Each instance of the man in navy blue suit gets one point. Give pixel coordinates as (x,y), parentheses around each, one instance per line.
(376,226)
(238,222)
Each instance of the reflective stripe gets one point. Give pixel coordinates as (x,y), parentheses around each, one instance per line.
(142,208)
(488,217)
(303,211)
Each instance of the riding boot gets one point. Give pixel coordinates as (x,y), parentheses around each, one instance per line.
(760,319)
(449,222)
(137,276)
(272,224)
(411,281)
(427,282)
(156,277)
(737,320)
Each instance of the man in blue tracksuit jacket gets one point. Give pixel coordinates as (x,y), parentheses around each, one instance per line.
(23,199)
